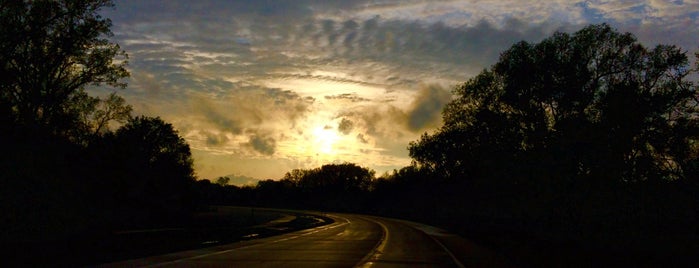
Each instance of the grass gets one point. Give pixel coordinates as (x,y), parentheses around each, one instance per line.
(219,225)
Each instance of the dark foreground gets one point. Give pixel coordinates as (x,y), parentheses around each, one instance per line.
(255,237)
(350,241)
(221,225)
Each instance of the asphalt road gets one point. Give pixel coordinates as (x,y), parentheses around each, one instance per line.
(351,241)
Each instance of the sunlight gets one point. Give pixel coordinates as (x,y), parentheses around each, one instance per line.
(324,139)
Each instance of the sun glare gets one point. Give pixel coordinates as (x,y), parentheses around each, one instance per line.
(324,139)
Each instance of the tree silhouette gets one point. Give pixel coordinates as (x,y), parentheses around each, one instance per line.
(52,50)
(223,181)
(157,165)
(593,104)
(89,117)
(66,177)
(590,137)
(337,186)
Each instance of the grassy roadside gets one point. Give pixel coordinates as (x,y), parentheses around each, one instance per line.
(217,226)
(522,247)
(540,250)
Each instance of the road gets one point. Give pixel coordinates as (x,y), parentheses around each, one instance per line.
(351,241)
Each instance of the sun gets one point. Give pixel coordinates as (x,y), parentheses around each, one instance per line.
(324,138)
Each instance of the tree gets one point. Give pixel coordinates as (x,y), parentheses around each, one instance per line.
(223,181)
(50,51)
(156,165)
(335,179)
(90,116)
(113,108)
(593,104)
(336,186)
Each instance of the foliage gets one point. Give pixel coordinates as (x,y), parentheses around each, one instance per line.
(93,116)
(341,187)
(588,137)
(594,104)
(157,165)
(223,181)
(332,178)
(64,172)
(52,50)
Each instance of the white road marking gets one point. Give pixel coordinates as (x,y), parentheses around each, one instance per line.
(315,230)
(432,232)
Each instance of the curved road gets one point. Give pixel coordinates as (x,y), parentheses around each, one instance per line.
(351,241)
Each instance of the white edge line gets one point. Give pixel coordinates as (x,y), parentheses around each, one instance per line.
(453,257)
(314,230)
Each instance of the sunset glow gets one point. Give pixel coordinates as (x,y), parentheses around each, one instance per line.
(258,88)
(324,140)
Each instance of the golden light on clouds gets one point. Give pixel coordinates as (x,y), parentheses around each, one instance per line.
(258,88)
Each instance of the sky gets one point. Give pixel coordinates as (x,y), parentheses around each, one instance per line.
(260,87)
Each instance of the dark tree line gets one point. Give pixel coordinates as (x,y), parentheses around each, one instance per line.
(339,187)
(74,164)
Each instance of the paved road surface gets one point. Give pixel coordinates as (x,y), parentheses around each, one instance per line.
(351,241)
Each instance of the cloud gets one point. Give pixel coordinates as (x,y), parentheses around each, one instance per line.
(215,115)
(352,97)
(462,33)
(262,144)
(422,112)
(377,120)
(426,109)
(192,53)
(229,73)
(216,139)
(242,108)
(345,126)
(362,138)
(241,180)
